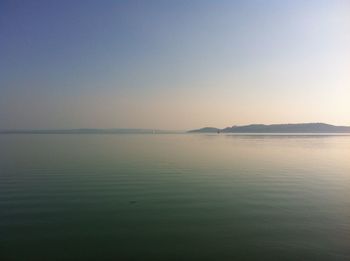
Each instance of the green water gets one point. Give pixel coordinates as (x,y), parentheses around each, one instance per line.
(174,197)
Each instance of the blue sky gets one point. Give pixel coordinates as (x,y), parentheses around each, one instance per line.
(173,64)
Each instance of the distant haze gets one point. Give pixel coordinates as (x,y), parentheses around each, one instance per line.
(173,64)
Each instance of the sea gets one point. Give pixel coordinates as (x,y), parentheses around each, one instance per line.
(174,197)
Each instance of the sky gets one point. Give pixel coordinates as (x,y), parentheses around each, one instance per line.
(173,64)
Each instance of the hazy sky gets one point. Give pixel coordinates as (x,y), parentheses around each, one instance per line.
(173,64)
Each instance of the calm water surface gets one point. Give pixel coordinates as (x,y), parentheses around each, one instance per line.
(174,197)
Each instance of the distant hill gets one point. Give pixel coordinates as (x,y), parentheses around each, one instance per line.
(206,130)
(279,128)
(87,131)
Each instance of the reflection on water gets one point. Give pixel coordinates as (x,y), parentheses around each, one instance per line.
(174,197)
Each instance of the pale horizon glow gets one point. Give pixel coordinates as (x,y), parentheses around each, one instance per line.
(173,65)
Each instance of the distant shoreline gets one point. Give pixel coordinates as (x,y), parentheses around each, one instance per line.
(278,128)
(254,129)
(91,131)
